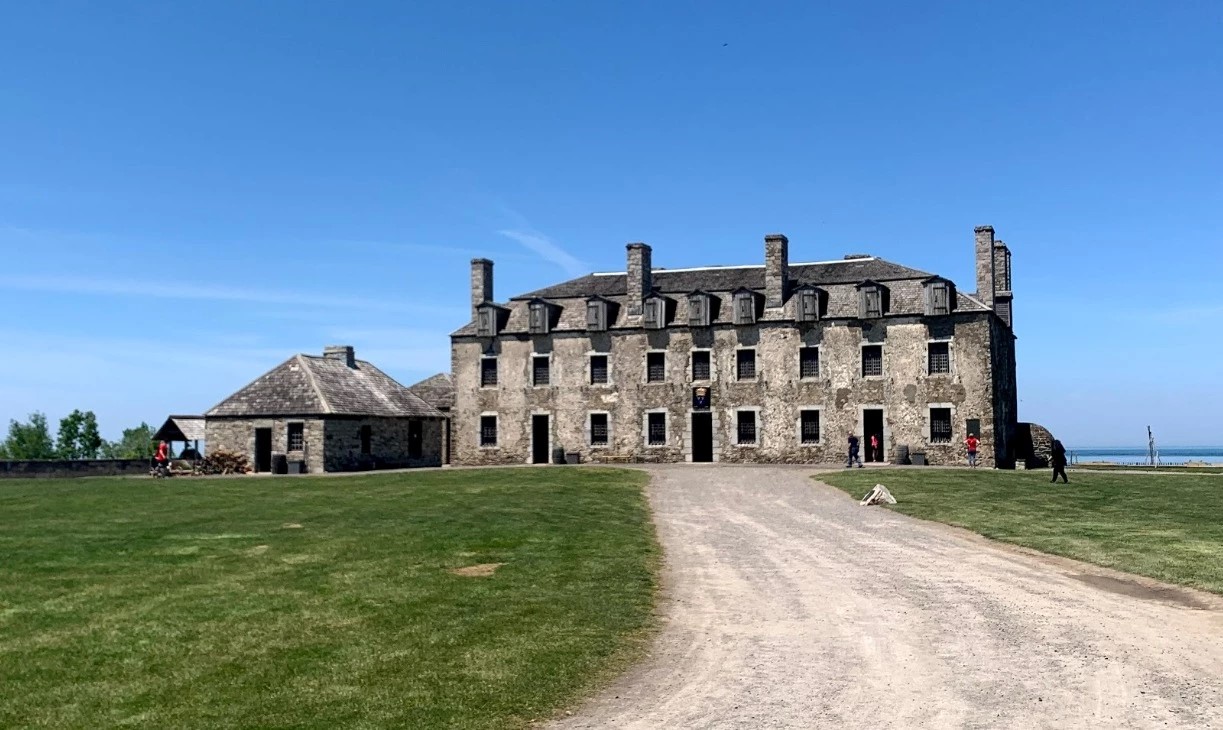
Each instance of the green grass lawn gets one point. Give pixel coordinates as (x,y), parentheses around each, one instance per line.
(1168,528)
(319,602)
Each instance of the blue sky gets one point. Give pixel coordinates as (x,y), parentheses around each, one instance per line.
(191,192)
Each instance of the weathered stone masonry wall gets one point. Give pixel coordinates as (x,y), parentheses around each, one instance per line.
(332,444)
(905,392)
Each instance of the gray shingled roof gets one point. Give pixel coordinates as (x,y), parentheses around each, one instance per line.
(729,278)
(437,391)
(312,385)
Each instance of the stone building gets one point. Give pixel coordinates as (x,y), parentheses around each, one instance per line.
(329,413)
(765,363)
(438,391)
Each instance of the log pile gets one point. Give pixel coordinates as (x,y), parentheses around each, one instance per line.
(224,462)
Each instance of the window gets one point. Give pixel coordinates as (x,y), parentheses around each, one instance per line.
(809,427)
(539,321)
(938,295)
(940,425)
(654,313)
(655,367)
(488,371)
(698,310)
(808,305)
(598,429)
(656,429)
(540,370)
(486,322)
(488,430)
(745,365)
(297,436)
(700,365)
(745,308)
(872,361)
(598,369)
(366,440)
(596,315)
(809,362)
(872,303)
(939,357)
(747,427)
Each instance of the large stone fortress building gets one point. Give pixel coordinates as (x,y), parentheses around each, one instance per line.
(771,363)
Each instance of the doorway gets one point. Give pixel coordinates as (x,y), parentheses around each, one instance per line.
(872,425)
(263,449)
(539,439)
(702,437)
(416,439)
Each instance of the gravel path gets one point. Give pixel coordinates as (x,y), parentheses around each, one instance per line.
(787,605)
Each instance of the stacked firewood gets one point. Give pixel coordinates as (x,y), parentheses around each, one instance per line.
(224,462)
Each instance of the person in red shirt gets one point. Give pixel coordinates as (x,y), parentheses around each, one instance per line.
(972,442)
(162,459)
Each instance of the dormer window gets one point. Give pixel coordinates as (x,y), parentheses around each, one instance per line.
(488,320)
(699,314)
(808,304)
(872,300)
(938,297)
(654,313)
(745,307)
(596,315)
(541,317)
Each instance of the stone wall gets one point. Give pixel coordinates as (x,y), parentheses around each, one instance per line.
(237,436)
(74,468)
(388,443)
(905,392)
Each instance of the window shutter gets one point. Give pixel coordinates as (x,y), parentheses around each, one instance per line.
(484,323)
(596,316)
(745,309)
(653,313)
(696,312)
(809,304)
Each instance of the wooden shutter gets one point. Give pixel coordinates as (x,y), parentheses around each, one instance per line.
(596,316)
(484,323)
(745,309)
(809,306)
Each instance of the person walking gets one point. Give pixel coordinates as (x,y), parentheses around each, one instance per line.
(971,443)
(876,452)
(161,461)
(1059,462)
(853,452)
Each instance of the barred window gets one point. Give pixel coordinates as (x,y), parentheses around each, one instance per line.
(488,430)
(541,370)
(810,427)
(598,429)
(655,367)
(809,362)
(745,364)
(940,425)
(297,436)
(700,365)
(747,427)
(940,357)
(656,428)
(598,369)
(872,360)
(488,371)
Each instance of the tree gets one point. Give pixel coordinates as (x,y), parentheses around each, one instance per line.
(78,436)
(29,440)
(137,443)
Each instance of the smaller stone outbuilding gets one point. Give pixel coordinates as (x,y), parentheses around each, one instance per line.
(324,414)
(438,391)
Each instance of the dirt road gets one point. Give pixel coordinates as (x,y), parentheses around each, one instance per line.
(786,605)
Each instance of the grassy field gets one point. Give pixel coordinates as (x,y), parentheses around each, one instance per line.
(1167,528)
(325,602)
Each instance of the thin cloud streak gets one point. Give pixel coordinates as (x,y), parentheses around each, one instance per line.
(157,290)
(546,249)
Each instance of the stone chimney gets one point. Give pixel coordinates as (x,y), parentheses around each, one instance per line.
(985,264)
(776,269)
(1002,283)
(343,353)
(640,280)
(481,283)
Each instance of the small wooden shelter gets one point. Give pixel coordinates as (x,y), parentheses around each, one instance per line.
(187,430)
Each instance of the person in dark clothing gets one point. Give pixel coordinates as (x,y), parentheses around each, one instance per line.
(853,452)
(1059,462)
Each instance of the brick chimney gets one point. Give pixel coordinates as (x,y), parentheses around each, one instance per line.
(776,269)
(343,353)
(481,283)
(985,264)
(640,279)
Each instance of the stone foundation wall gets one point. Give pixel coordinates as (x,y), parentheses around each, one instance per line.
(74,468)
(388,443)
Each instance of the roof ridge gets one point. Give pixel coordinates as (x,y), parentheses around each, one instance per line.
(406,389)
(322,399)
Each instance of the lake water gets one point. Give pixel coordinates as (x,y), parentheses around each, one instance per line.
(1167,456)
